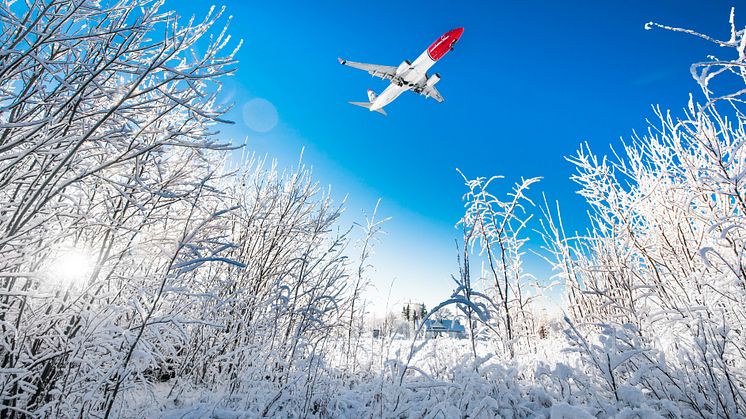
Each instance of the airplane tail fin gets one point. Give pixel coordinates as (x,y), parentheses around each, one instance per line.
(366,105)
(372,95)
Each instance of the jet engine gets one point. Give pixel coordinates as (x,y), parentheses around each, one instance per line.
(403,67)
(433,79)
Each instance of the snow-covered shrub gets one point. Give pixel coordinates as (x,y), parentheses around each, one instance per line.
(493,229)
(661,276)
(108,196)
(269,323)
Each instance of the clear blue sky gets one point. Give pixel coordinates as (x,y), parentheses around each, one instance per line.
(527,83)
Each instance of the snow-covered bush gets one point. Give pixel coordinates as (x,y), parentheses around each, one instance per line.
(493,229)
(665,260)
(107,194)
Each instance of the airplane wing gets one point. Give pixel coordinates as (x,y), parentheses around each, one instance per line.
(385,72)
(431,91)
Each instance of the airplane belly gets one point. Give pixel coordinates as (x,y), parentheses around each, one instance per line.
(387,96)
(419,69)
(423,61)
(414,76)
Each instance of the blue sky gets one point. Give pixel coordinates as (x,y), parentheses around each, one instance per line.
(527,83)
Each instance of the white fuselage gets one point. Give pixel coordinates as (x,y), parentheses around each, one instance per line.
(404,81)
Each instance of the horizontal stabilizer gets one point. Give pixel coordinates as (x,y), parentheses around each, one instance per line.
(366,105)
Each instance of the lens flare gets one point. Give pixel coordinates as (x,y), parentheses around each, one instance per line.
(260,115)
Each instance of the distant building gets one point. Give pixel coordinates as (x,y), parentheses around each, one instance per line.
(451,328)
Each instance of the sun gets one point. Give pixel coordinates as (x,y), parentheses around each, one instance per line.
(70,267)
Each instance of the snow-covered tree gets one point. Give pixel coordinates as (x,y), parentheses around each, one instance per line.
(108,174)
(662,272)
(494,229)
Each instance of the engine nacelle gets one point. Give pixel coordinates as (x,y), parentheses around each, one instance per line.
(433,79)
(403,67)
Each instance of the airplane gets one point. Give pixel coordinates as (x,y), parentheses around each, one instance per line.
(408,75)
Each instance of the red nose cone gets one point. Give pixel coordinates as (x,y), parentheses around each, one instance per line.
(456,33)
(444,44)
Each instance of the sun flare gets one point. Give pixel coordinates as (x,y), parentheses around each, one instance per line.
(70,267)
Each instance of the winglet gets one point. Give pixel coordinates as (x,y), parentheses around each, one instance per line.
(341,61)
